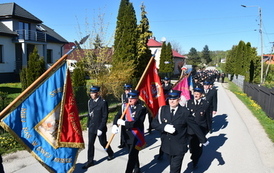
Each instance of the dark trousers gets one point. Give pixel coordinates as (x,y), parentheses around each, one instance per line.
(122,135)
(195,149)
(175,162)
(103,142)
(133,159)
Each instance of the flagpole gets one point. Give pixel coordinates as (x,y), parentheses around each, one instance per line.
(40,79)
(145,71)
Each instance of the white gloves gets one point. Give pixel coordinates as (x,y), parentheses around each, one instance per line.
(169,129)
(206,143)
(99,132)
(115,129)
(121,122)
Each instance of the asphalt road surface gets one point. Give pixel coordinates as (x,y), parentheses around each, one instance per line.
(238,144)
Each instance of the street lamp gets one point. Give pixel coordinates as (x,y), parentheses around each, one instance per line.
(261,34)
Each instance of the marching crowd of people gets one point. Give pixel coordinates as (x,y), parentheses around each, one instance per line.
(182,127)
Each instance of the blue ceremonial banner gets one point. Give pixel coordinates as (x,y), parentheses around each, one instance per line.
(36,120)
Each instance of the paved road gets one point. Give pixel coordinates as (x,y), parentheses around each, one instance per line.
(238,144)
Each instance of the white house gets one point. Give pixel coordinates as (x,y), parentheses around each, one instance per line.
(156,48)
(20,32)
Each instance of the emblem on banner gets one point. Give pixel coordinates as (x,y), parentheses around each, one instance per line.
(155,90)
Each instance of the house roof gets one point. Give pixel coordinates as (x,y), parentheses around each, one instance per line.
(176,54)
(53,36)
(153,43)
(4,30)
(12,10)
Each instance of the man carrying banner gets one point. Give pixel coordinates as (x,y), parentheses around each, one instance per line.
(97,119)
(134,125)
(172,121)
(124,98)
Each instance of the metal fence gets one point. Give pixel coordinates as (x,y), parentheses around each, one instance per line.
(262,96)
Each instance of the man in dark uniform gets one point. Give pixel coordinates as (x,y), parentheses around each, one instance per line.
(197,83)
(97,119)
(210,95)
(172,121)
(199,109)
(167,85)
(134,125)
(124,98)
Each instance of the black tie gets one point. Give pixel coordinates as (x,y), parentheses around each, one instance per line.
(197,102)
(172,113)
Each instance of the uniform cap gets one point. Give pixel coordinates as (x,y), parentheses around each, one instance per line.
(206,83)
(133,94)
(198,90)
(94,89)
(174,94)
(127,86)
(166,78)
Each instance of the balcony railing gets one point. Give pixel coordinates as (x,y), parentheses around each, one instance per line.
(31,35)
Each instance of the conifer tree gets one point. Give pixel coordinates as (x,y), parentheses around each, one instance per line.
(169,58)
(193,57)
(206,54)
(35,68)
(144,53)
(162,59)
(125,42)
(79,86)
(240,58)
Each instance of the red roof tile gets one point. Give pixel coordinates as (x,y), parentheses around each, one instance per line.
(176,54)
(153,43)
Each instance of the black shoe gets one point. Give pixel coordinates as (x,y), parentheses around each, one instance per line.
(121,146)
(110,158)
(87,165)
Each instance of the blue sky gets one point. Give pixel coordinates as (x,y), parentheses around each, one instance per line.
(220,24)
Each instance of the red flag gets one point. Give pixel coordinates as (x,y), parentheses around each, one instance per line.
(71,132)
(182,86)
(151,90)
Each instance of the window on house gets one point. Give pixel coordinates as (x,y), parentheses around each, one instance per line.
(24,30)
(49,56)
(1,53)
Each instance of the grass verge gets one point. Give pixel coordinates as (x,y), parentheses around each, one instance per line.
(265,121)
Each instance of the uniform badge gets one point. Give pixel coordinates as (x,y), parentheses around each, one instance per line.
(133,114)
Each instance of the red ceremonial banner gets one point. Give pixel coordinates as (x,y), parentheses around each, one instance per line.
(151,90)
(71,132)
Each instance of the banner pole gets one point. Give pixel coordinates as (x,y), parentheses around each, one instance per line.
(136,88)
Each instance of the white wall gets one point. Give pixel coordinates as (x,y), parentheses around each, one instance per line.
(157,55)
(8,64)
(56,51)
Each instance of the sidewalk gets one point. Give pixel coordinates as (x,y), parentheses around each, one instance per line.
(238,144)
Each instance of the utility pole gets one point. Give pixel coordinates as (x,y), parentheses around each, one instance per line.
(261,34)
(262,47)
